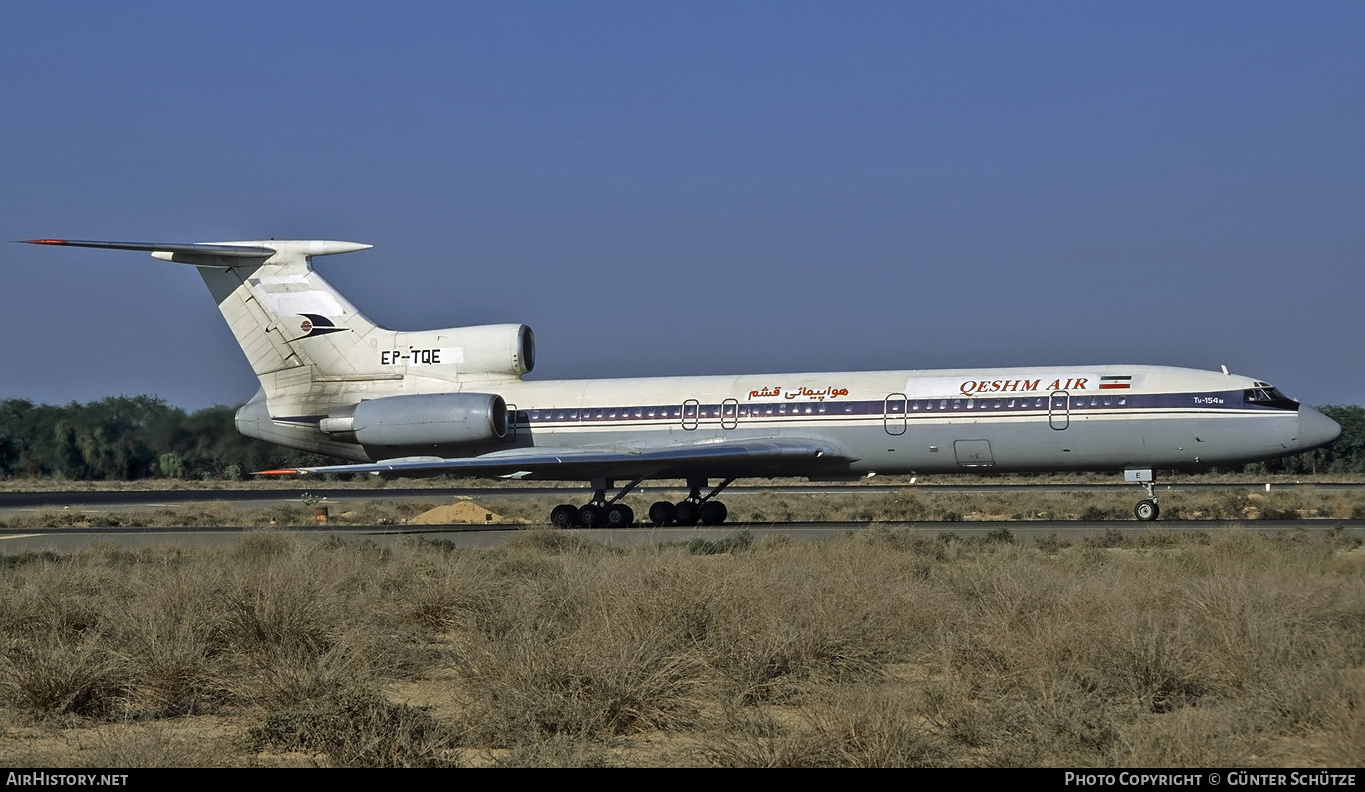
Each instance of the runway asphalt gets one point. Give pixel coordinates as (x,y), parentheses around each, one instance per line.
(66,540)
(22,501)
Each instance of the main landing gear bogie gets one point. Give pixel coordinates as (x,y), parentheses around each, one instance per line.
(592,515)
(688,512)
(695,508)
(598,512)
(603,513)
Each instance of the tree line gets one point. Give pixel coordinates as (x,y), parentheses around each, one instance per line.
(122,438)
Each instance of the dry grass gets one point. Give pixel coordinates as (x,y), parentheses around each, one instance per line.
(880,648)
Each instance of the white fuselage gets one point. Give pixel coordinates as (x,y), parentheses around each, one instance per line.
(1018,419)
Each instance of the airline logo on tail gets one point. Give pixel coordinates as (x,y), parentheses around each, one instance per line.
(314,325)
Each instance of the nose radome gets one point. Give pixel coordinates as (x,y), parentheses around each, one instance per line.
(1316,429)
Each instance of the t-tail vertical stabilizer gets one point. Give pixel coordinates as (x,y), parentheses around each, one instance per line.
(313,351)
(294,328)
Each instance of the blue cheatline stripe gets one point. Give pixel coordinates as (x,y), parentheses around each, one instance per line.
(911,408)
(1106,403)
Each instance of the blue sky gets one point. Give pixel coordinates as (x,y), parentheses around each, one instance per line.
(689,188)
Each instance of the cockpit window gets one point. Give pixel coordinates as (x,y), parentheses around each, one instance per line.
(1267,395)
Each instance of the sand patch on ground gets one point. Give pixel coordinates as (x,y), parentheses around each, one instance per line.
(460,513)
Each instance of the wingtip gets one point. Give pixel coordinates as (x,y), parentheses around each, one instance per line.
(280,472)
(41,241)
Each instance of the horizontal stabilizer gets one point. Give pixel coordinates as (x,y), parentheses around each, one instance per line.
(236,251)
(219,254)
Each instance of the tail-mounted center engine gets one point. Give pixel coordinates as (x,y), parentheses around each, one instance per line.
(420,420)
(492,349)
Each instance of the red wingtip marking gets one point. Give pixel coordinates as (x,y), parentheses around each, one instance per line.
(44,241)
(282,472)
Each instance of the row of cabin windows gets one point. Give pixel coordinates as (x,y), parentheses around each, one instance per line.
(896,406)
(1033,403)
(702,411)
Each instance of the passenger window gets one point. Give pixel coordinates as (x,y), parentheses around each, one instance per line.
(957,404)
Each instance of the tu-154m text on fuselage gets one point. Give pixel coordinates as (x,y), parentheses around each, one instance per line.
(454,401)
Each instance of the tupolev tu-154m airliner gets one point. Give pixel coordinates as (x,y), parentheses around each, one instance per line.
(454,401)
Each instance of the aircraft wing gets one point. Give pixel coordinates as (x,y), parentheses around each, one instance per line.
(720,459)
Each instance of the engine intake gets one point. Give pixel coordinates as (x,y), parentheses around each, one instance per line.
(420,420)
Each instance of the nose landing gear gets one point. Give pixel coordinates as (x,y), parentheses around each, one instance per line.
(1145,510)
